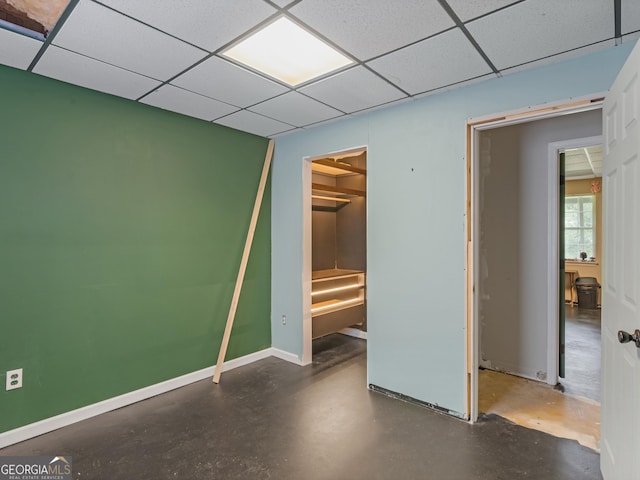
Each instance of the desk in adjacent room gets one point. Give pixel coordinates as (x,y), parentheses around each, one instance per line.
(571,275)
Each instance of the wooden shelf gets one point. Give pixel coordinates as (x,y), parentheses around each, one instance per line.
(333,273)
(332,164)
(338,190)
(340,289)
(333,291)
(334,305)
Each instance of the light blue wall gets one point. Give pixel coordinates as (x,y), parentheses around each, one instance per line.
(416,217)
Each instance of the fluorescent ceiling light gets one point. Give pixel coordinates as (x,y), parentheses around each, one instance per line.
(287,52)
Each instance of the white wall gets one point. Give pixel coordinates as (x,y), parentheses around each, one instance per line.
(416,222)
(514,243)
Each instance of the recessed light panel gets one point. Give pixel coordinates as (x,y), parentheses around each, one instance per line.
(288,53)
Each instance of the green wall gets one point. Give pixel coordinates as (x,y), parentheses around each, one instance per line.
(121,232)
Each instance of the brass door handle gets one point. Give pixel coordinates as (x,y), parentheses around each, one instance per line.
(625,337)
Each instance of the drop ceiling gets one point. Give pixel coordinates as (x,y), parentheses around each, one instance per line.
(583,162)
(167,53)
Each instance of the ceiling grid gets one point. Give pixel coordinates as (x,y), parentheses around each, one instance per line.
(168,54)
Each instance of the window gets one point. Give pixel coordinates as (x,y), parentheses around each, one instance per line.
(579,226)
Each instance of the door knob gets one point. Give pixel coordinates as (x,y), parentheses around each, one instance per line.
(624,337)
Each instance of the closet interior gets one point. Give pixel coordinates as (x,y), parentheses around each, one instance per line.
(339,244)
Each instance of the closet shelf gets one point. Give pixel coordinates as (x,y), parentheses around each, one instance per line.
(333,274)
(338,190)
(343,288)
(339,165)
(334,305)
(331,199)
(336,289)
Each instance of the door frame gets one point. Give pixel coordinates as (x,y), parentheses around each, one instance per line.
(553,317)
(473,128)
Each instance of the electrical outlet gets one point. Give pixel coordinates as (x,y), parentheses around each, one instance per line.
(284,319)
(14,379)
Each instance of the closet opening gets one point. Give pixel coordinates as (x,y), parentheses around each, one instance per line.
(338,253)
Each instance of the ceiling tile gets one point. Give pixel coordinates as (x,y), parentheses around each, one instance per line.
(295,109)
(631,37)
(561,57)
(282,3)
(253,123)
(383,106)
(630,16)
(84,71)
(569,174)
(178,100)
(536,29)
(372,28)
(103,34)
(352,90)
(209,24)
(222,80)
(17,50)
(468,9)
(454,86)
(583,162)
(420,67)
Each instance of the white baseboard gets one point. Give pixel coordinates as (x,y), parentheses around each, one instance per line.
(289,357)
(487,365)
(47,425)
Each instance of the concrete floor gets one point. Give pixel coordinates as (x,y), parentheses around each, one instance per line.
(536,405)
(275,420)
(582,347)
(574,414)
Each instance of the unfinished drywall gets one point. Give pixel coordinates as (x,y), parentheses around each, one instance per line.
(416,251)
(122,231)
(514,240)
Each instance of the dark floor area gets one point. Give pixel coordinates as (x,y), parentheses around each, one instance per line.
(582,347)
(275,420)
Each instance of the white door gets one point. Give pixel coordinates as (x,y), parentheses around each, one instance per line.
(620,443)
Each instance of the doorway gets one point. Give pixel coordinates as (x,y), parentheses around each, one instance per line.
(335,235)
(513,268)
(581,211)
